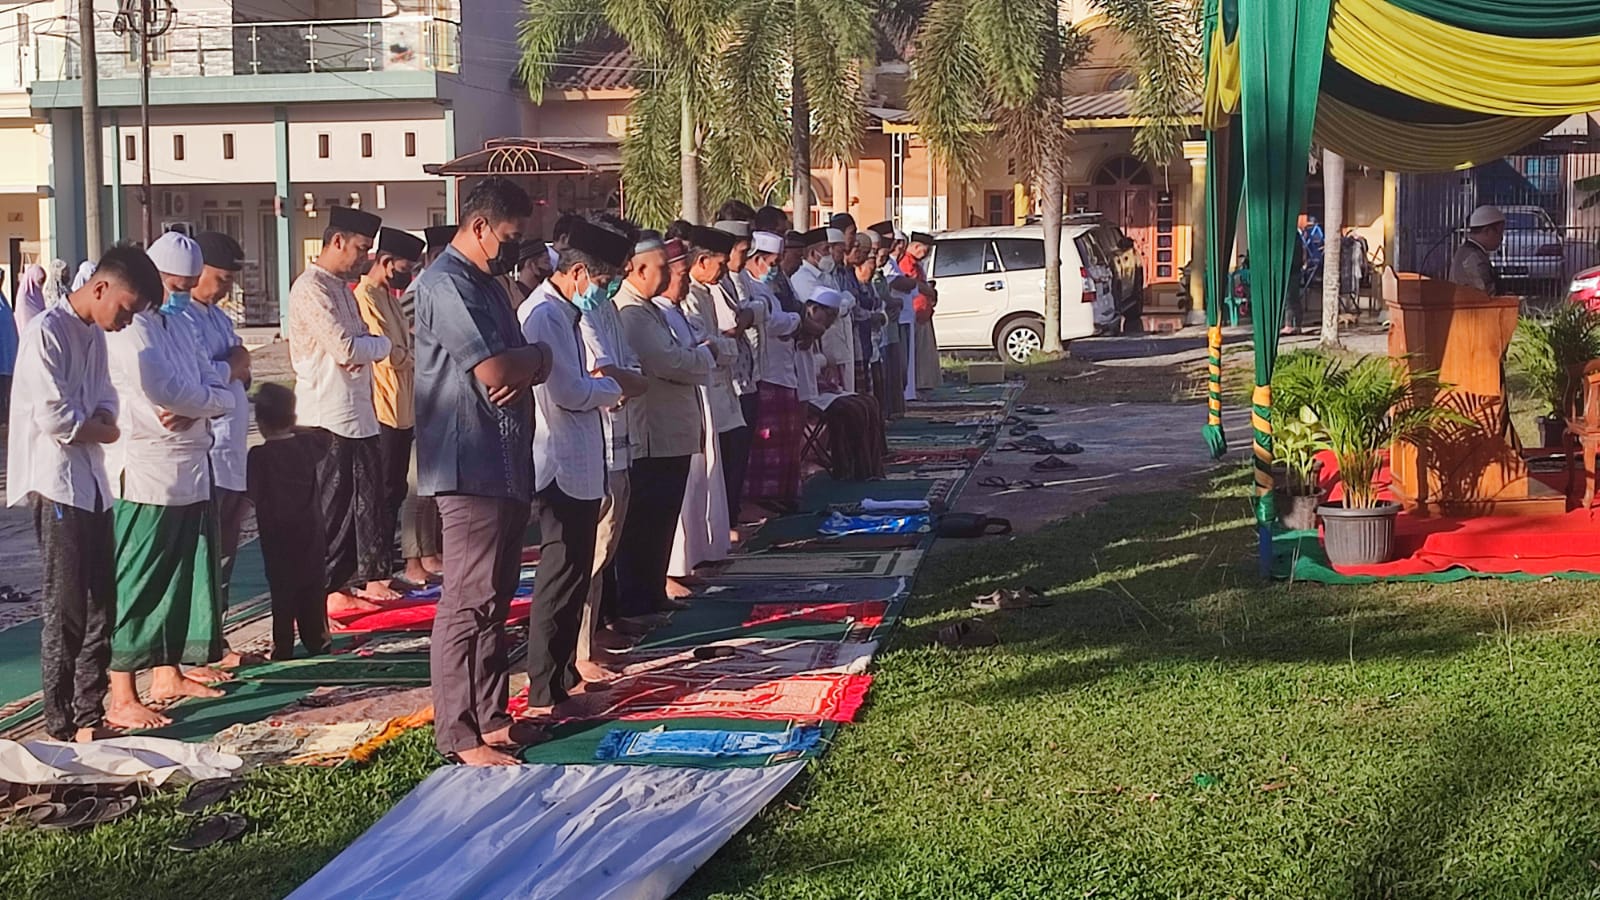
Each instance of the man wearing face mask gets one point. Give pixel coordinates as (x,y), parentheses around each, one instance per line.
(377,296)
(569,453)
(474,438)
(778,432)
(169,611)
(332,351)
(213,327)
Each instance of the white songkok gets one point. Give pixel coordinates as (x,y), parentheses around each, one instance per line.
(176,254)
(766,242)
(825,296)
(835,236)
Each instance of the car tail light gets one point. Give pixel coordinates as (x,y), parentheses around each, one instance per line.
(1549,250)
(1585,285)
(1088,285)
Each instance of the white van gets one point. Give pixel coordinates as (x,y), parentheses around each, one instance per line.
(991,287)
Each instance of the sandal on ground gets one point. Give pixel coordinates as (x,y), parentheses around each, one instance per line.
(1010,598)
(994,481)
(211,830)
(967,634)
(208,793)
(1035,410)
(79,813)
(1053,464)
(8,594)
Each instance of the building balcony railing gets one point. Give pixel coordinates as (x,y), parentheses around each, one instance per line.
(196,48)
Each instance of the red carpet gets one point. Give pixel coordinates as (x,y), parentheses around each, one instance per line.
(1493,545)
(414,617)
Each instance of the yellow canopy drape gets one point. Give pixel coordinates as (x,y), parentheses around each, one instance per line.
(1383,143)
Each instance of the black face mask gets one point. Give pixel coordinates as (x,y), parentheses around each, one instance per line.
(506,260)
(400,281)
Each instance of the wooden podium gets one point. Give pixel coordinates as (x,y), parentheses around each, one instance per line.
(1474,468)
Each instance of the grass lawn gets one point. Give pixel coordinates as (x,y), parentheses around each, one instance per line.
(1171,727)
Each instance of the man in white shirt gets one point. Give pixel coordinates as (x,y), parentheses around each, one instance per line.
(333,350)
(569,458)
(169,611)
(816,271)
(65,411)
(778,432)
(213,327)
(733,302)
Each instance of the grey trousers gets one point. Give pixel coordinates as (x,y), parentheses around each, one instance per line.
(467,660)
(419,522)
(230,507)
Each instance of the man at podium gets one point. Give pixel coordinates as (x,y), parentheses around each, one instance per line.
(1471,265)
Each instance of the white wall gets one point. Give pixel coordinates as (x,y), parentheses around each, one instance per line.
(387,123)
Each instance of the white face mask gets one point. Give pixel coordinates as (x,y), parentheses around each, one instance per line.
(826,264)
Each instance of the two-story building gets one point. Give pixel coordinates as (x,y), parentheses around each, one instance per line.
(265,114)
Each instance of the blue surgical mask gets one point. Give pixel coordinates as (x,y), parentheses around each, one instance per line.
(590,298)
(612,288)
(176,302)
(769,275)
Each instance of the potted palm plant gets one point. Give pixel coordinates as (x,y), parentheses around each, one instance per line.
(1297,384)
(1364,408)
(1545,353)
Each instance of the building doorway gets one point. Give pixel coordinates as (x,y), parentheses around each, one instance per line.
(1123,192)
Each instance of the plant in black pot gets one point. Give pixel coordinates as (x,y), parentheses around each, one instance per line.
(1543,354)
(1365,407)
(1297,385)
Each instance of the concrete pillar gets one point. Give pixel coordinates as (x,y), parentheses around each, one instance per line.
(283,206)
(1194,152)
(67,228)
(452,186)
(1391,235)
(117,227)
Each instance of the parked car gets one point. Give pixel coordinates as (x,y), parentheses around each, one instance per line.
(991,287)
(1533,253)
(1585,288)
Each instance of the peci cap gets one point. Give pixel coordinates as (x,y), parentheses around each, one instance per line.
(676,251)
(712,239)
(399,244)
(440,236)
(176,254)
(826,296)
(602,243)
(818,236)
(734,227)
(354,221)
(220,251)
(766,242)
(882,229)
(921,237)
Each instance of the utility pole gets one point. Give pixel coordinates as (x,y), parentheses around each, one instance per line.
(144,19)
(92,156)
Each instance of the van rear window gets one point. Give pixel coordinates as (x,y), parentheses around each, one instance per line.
(958,257)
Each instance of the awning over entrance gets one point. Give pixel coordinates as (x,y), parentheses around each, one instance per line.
(535,156)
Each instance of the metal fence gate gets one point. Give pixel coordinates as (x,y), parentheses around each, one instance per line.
(1550,236)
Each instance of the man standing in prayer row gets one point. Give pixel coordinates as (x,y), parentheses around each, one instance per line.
(925,344)
(213,327)
(168,607)
(420,542)
(569,452)
(333,352)
(788,382)
(474,440)
(667,431)
(393,377)
(66,411)
(740,319)
(901,318)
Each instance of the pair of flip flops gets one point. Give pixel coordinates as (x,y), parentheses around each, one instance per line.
(217,828)
(967,634)
(1041,445)
(9,594)
(998,483)
(1053,464)
(1035,410)
(82,813)
(1011,598)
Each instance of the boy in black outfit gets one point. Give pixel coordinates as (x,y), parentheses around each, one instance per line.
(281,479)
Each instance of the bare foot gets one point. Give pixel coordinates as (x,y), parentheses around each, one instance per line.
(207,674)
(677,590)
(517,734)
(415,573)
(98,733)
(734,537)
(433,564)
(341,601)
(592,671)
(380,590)
(485,756)
(171,687)
(134,716)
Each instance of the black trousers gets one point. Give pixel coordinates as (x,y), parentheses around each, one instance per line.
(230,508)
(467,658)
(735,448)
(350,480)
(299,598)
(656,487)
(567,529)
(80,600)
(394,445)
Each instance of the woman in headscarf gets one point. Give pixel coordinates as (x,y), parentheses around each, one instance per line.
(85,272)
(58,285)
(30,296)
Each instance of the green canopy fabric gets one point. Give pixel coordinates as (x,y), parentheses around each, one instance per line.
(1514,18)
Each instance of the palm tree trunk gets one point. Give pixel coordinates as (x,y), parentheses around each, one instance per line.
(1333,241)
(1052,204)
(800,145)
(689,159)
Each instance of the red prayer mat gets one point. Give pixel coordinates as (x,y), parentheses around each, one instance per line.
(866,613)
(415,617)
(831,698)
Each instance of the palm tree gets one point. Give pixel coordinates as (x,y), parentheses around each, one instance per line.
(677,44)
(988,71)
(1333,245)
(811,53)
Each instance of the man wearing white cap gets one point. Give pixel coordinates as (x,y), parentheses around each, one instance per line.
(332,349)
(778,429)
(856,440)
(169,609)
(741,318)
(1471,265)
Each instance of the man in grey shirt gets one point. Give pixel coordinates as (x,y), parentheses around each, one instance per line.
(1471,265)
(474,372)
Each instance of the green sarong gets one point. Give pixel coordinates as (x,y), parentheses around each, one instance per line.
(169,609)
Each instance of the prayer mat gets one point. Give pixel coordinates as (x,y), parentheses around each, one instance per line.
(384,644)
(548,832)
(198,718)
(841,525)
(956,456)
(798,534)
(355,703)
(347,669)
(579,743)
(416,617)
(865,613)
(620,745)
(752,657)
(712,623)
(895,563)
(919,426)
(834,698)
(19,712)
(270,742)
(801,590)
(823,492)
(19,660)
